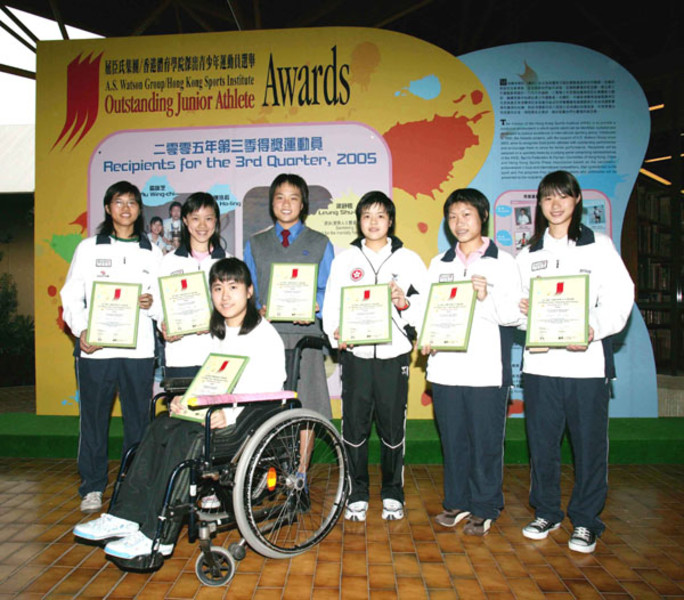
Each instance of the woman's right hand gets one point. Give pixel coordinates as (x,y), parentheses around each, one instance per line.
(343,345)
(175,405)
(169,338)
(524,305)
(85,346)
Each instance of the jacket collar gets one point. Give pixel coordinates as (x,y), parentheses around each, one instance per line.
(144,241)
(492,251)
(586,237)
(215,253)
(395,241)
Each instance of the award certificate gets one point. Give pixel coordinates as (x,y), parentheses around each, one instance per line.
(218,375)
(292,292)
(449,316)
(114,313)
(558,313)
(186,302)
(365,315)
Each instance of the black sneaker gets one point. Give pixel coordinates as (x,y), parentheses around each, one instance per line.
(539,529)
(582,540)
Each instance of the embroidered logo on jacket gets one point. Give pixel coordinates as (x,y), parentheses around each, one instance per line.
(446,277)
(103,262)
(356,274)
(539,265)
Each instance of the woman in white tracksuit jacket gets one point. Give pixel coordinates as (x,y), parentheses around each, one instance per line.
(470,389)
(120,253)
(570,386)
(200,247)
(375,376)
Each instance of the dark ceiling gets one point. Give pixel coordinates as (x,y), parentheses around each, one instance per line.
(646,39)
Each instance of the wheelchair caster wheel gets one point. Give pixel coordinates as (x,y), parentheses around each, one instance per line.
(237,551)
(219,573)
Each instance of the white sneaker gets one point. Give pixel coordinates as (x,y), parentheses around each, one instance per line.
(91,502)
(210,502)
(107,527)
(134,545)
(392,510)
(356,511)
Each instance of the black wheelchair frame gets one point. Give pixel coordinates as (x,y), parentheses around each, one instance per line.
(277,513)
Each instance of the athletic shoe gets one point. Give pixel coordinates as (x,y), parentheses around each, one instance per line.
(210,502)
(356,511)
(392,510)
(107,527)
(135,545)
(539,529)
(451,518)
(477,526)
(91,502)
(582,540)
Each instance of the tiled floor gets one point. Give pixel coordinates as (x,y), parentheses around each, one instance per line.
(641,555)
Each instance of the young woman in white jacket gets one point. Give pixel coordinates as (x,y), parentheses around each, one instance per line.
(119,253)
(570,386)
(470,389)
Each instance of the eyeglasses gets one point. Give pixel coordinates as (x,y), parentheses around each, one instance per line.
(124,203)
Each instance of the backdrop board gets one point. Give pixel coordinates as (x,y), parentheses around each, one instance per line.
(349,109)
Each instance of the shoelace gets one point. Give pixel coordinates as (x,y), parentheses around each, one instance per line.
(582,533)
(539,522)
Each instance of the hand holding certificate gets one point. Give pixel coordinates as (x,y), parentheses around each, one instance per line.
(366,316)
(558,314)
(114,313)
(219,375)
(449,316)
(186,303)
(292,292)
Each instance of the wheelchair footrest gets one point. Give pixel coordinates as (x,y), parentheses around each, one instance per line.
(139,564)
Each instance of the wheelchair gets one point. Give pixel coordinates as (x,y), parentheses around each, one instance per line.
(255,479)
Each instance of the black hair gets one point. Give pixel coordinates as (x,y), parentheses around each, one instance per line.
(122,188)
(173,205)
(370,199)
(561,182)
(195,202)
(232,269)
(471,196)
(156,219)
(293,180)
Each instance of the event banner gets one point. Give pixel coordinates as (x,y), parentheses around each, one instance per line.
(350,110)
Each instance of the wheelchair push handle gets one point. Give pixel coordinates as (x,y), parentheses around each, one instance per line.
(315,342)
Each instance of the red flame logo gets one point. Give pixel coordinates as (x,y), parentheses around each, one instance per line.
(83,85)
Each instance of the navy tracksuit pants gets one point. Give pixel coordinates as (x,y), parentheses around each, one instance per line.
(98,381)
(581,405)
(472,424)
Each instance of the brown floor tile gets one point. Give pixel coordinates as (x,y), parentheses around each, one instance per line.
(354,564)
(381,577)
(406,565)
(411,588)
(353,588)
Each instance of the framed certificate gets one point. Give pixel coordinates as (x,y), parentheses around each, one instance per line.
(218,375)
(292,292)
(449,316)
(113,315)
(186,302)
(365,314)
(558,313)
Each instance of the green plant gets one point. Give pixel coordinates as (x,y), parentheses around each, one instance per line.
(17,335)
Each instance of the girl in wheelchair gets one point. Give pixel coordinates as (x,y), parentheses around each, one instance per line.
(237,328)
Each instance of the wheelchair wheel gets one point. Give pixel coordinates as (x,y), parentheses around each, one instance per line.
(278,513)
(218,574)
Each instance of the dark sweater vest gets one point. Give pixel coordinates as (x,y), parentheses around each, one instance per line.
(309,247)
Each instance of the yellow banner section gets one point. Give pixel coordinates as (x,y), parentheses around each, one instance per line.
(349,109)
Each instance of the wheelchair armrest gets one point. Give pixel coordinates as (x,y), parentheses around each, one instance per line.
(230,399)
(176,385)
